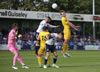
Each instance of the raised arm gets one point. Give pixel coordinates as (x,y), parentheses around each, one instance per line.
(73,26)
(52,26)
(51,35)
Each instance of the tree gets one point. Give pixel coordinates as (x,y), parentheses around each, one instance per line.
(70,6)
(97,6)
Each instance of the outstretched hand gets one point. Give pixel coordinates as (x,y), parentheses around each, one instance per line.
(77,28)
(58,26)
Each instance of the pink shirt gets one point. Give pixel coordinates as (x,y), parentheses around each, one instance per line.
(11,35)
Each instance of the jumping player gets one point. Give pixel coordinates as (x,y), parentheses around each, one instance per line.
(12,47)
(67,32)
(50,47)
(43,23)
(42,38)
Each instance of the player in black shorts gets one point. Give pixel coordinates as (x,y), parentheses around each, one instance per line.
(50,47)
(37,45)
(43,23)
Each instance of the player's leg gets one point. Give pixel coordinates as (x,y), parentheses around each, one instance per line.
(63,48)
(67,38)
(46,59)
(47,50)
(37,46)
(67,54)
(40,53)
(36,50)
(64,44)
(67,35)
(54,51)
(49,61)
(21,62)
(40,61)
(14,60)
(55,59)
(17,57)
(15,52)
(66,47)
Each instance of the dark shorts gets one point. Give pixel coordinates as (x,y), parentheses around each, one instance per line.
(37,47)
(36,35)
(50,48)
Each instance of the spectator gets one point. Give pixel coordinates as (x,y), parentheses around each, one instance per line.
(19,41)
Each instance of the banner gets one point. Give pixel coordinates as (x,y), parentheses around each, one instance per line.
(92,47)
(5,47)
(42,15)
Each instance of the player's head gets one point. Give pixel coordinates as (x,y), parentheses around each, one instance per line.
(45,29)
(60,35)
(62,13)
(48,19)
(15,26)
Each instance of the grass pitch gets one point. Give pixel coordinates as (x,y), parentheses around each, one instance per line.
(81,61)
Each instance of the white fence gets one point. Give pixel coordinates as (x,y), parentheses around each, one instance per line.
(5,47)
(41,15)
(92,47)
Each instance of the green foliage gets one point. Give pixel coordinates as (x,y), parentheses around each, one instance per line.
(97,2)
(70,6)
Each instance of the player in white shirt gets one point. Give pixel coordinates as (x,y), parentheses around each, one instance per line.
(50,47)
(43,23)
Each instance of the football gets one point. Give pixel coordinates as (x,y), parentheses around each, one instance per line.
(54,5)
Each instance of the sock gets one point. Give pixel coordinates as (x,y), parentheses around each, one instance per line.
(48,60)
(36,49)
(45,61)
(20,60)
(39,60)
(14,60)
(64,46)
(55,60)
